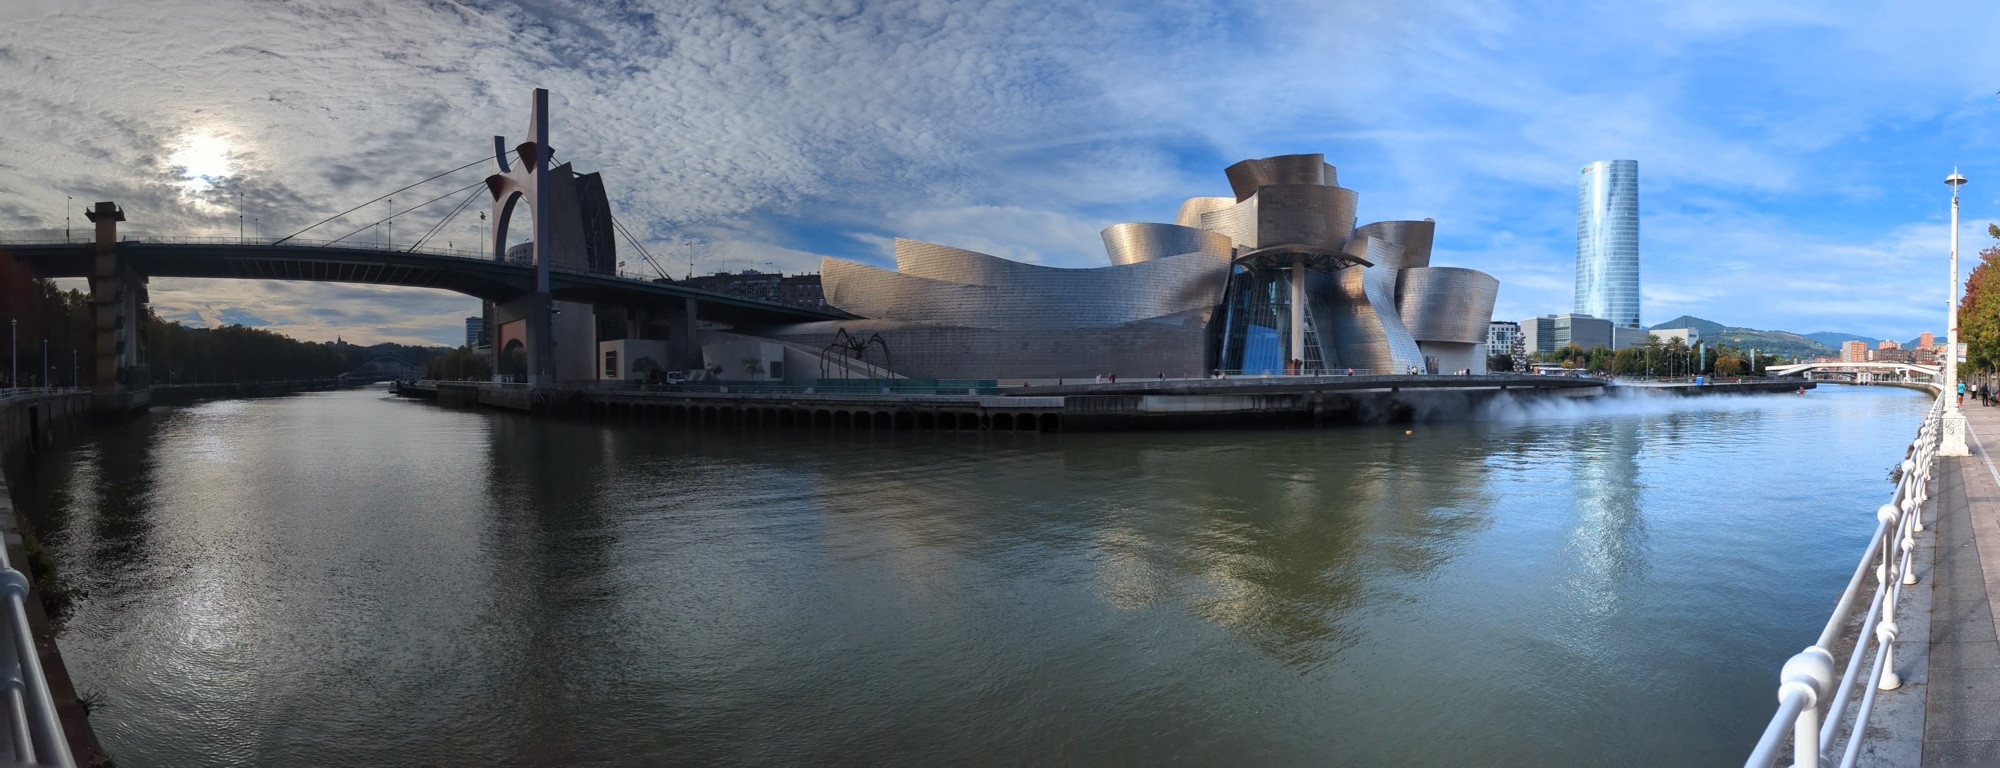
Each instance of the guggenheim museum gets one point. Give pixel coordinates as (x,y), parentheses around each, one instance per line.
(1275,278)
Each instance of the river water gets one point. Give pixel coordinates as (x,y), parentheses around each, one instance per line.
(348,579)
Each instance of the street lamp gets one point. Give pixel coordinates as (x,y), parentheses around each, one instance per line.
(1954,420)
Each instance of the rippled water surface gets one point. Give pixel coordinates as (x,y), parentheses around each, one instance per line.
(348,579)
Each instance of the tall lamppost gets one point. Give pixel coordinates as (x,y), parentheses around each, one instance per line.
(1954,420)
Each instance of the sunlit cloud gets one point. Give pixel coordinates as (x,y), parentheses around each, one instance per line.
(1781,148)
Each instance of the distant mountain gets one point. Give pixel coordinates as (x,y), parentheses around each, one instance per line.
(1769,342)
(1833,339)
(1706,327)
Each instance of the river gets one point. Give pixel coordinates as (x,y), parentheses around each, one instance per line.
(347,578)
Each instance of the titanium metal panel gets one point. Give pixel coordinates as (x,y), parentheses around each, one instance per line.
(1175,346)
(1024,296)
(1359,319)
(1236,221)
(1313,215)
(1446,304)
(1246,177)
(1414,236)
(1134,243)
(1191,211)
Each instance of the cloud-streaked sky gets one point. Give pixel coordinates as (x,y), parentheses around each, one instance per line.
(1791,155)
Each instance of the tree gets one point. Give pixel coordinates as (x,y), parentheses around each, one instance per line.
(462,364)
(1500,363)
(1979,309)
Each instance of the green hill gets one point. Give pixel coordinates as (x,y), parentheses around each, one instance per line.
(1783,343)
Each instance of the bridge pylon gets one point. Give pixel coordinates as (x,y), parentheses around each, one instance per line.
(117,297)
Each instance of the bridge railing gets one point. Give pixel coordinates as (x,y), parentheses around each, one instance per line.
(1806,682)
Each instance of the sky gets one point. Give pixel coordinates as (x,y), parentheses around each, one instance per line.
(1791,155)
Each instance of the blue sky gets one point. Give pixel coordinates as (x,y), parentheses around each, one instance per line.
(1791,155)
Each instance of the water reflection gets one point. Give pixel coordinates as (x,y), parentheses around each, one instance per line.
(344,578)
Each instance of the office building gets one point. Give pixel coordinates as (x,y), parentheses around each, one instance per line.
(1607,242)
(1503,337)
(475,332)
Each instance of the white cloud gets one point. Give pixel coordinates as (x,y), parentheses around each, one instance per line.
(1775,139)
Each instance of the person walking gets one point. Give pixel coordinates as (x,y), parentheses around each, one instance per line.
(1961,394)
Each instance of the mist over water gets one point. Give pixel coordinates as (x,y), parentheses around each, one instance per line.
(344,578)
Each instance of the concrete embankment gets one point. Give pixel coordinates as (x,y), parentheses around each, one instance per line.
(1689,389)
(1132,405)
(28,425)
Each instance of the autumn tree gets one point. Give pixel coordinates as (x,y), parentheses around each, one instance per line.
(1979,309)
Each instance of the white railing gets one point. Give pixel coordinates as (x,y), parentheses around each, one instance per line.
(30,729)
(1807,679)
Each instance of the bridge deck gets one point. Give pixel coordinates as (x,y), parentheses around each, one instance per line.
(451,271)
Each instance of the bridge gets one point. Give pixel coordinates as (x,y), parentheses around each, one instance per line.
(1929,372)
(464,272)
(538,296)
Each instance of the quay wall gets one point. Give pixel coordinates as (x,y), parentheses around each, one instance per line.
(1133,406)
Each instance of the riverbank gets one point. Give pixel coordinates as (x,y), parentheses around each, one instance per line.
(1144,405)
(1128,406)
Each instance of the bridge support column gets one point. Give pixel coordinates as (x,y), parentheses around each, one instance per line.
(540,332)
(682,345)
(117,296)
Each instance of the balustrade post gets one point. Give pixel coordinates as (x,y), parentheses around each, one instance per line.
(1885,633)
(1808,674)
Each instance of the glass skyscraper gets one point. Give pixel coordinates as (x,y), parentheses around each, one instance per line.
(1607,242)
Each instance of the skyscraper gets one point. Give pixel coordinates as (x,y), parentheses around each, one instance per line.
(1607,242)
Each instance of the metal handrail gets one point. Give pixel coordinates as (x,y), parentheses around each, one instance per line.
(33,733)
(1808,677)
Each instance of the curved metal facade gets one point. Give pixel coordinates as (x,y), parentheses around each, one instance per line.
(1250,282)
(973,290)
(1134,243)
(1195,207)
(1246,177)
(1607,242)
(1414,236)
(1446,303)
(1367,331)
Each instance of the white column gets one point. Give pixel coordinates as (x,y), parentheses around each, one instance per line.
(1954,419)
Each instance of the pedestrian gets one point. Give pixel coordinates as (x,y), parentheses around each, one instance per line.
(1961,394)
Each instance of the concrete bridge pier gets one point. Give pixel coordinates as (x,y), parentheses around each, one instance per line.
(541,341)
(672,322)
(117,297)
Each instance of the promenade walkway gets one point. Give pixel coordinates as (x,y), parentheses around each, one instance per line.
(1962,700)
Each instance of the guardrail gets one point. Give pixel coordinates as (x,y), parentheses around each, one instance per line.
(1807,679)
(32,731)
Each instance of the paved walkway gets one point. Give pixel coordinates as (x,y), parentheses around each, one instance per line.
(1962,700)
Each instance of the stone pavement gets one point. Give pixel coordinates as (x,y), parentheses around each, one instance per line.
(1962,701)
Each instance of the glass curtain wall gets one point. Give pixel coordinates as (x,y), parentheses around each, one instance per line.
(1256,328)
